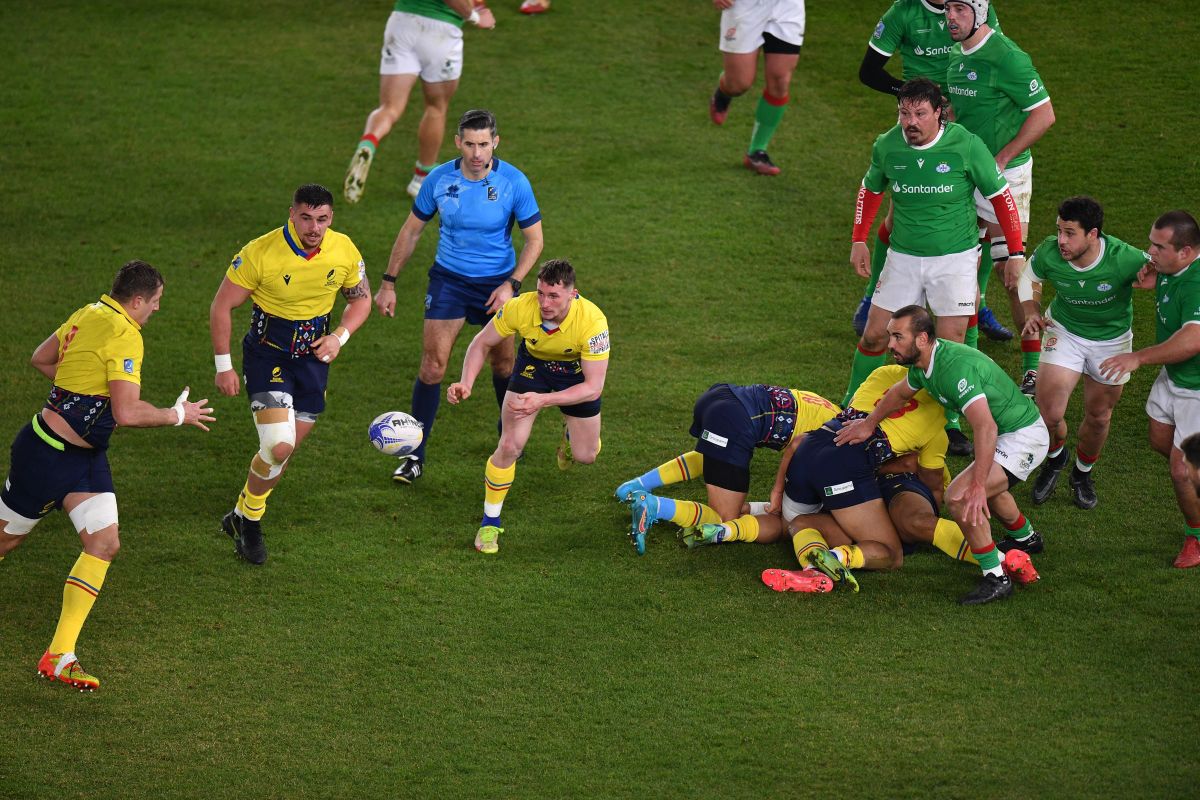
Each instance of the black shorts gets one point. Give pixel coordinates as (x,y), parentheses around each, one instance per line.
(44,469)
(892,485)
(453,296)
(266,370)
(773,44)
(535,375)
(722,427)
(821,473)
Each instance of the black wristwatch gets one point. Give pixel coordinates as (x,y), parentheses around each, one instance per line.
(516,284)
(388,278)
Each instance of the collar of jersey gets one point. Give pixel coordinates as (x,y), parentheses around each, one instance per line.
(934,9)
(290,237)
(932,355)
(1099,257)
(977,47)
(105,300)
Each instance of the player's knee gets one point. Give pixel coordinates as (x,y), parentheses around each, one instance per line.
(584,453)
(432,369)
(103,545)
(875,336)
(1099,417)
(1181,474)
(8,541)
(276,441)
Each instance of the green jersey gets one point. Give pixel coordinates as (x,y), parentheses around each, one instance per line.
(1093,302)
(933,188)
(434,9)
(1178,303)
(993,88)
(958,375)
(917,31)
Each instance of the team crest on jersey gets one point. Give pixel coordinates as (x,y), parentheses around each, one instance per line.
(329,279)
(972,75)
(128,366)
(731,34)
(1104,287)
(879,30)
(598,343)
(492,195)
(237,262)
(943,167)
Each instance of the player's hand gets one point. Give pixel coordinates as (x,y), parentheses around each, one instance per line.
(855,431)
(486,18)
(975,505)
(197,413)
(1147,277)
(385,299)
(499,296)
(860,259)
(457,392)
(1012,271)
(1113,368)
(775,504)
(1034,324)
(228,383)
(1002,160)
(523,405)
(327,348)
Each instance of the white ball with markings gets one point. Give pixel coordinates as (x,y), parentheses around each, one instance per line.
(395,433)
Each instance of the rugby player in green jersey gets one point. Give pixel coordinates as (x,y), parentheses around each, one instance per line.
(1174,402)
(1090,319)
(998,95)
(1010,439)
(933,169)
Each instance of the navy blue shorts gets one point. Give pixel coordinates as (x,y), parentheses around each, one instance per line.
(892,485)
(267,370)
(821,473)
(722,427)
(535,375)
(454,296)
(40,475)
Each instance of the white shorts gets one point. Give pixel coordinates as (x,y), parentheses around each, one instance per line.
(1064,349)
(794,508)
(1023,450)
(948,284)
(1174,405)
(1020,183)
(416,45)
(745,22)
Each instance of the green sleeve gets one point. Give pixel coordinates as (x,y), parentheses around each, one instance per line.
(1020,82)
(1035,261)
(889,32)
(875,180)
(982,169)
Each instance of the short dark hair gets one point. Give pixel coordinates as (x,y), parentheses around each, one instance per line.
(477,119)
(135,279)
(313,195)
(918,89)
(1184,230)
(1084,210)
(921,320)
(557,270)
(1191,449)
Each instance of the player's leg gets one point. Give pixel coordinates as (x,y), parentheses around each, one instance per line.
(42,468)
(900,284)
(431,131)
(683,467)
(871,351)
(1189,505)
(951,289)
(1056,382)
(780,58)
(992,260)
(1174,416)
(994,584)
(498,475)
(437,341)
(883,236)
(1099,400)
(741,37)
(501,358)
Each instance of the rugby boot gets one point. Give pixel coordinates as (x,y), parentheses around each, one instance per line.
(718,106)
(1031,544)
(1019,567)
(247,537)
(960,445)
(531,7)
(825,561)
(562,456)
(990,587)
(409,470)
(991,327)
(806,580)
(1083,491)
(414,186)
(1047,478)
(1029,383)
(356,175)
(760,162)
(703,534)
(1189,556)
(487,539)
(65,667)
(628,489)
(645,514)
(860,316)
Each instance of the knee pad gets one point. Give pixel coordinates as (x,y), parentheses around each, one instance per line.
(271,434)
(17,524)
(95,514)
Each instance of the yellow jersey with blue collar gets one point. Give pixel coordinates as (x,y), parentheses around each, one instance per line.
(286,282)
(99,343)
(919,427)
(583,335)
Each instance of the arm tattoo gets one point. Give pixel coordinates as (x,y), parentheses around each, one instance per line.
(358,291)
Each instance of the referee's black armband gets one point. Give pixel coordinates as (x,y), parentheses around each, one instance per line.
(872,73)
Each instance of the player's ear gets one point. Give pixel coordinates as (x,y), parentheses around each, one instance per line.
(496,142)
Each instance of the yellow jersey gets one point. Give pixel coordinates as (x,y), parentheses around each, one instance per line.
(99,343)
(919,427)
(582,335)
(286,282)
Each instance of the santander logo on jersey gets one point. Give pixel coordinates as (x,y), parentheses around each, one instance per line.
(904,188)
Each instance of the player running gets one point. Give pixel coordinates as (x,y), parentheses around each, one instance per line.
(1090,319)
(562,361)
(60,459)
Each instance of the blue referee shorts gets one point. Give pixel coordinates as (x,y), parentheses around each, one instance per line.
(453,296)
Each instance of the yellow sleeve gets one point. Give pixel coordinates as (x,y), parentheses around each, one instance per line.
(508,318)
(932,454)
(123,358)
(244,271)
(596,346)
(358,270)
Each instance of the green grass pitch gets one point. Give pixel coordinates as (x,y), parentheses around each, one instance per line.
(376,652)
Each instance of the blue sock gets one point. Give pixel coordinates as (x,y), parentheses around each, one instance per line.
(425,400)
(666,508)
(490,521)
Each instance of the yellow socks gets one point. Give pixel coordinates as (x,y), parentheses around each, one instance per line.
(79,595)
(850,555)
(948,538)
(683,468)
(252,506)
(687,513)
(496,483)
(742,529)
(805,541)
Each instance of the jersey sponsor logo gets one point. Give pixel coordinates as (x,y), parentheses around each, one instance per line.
(931,51)
(943,168)
(839,488)
(1034,86)
(598,343)
(904,188)
(879,30)
(964,91)
(920,163)
(128,366)
(712,438)
(287,280)
(237,262)
(964,387)
(1104,287)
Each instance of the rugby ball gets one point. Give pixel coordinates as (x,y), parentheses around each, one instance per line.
(395,433)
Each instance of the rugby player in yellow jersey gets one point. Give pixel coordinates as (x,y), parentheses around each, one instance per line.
(729,423)
(60,459)
(562,360)
(293,275)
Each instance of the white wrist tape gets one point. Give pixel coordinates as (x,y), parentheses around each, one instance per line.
(474,18)
(178,407)
(223,362)
(342,337)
